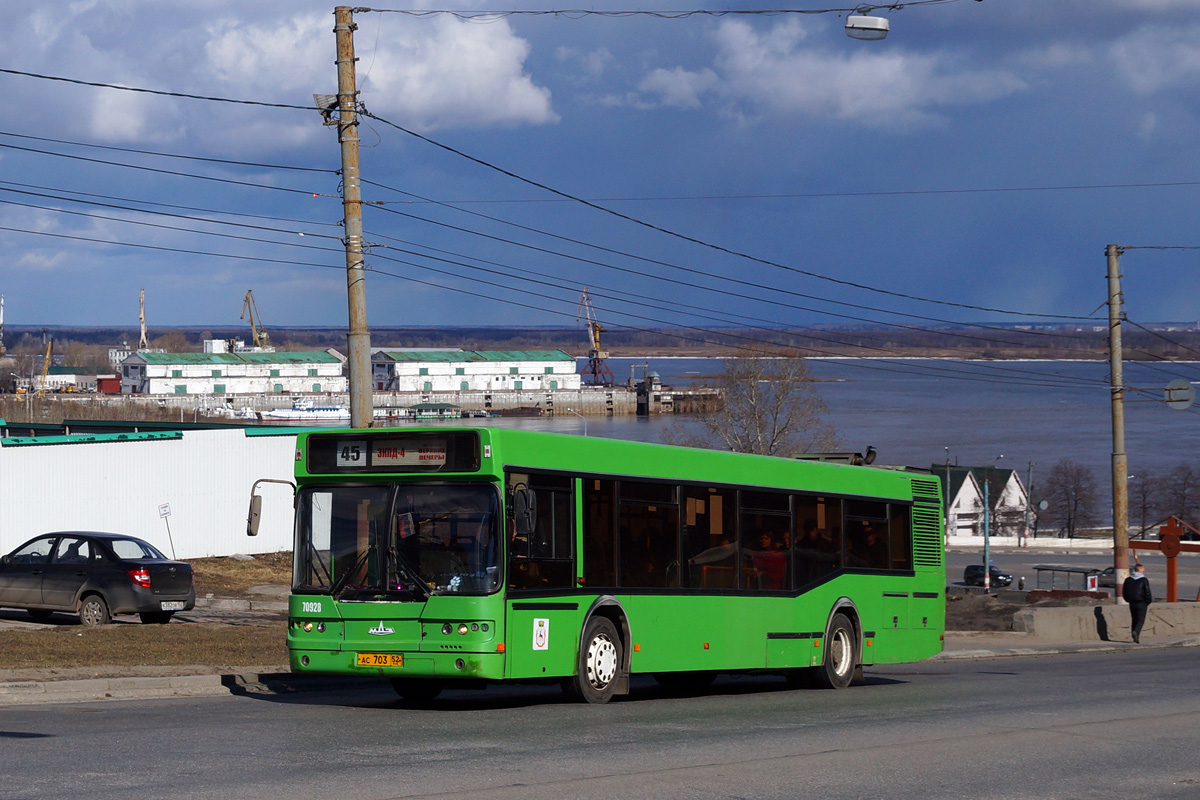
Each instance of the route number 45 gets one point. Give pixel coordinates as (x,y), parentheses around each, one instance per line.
(352,454)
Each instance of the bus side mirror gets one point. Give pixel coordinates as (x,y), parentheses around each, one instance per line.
(256,504)
(255,514)
(524,510)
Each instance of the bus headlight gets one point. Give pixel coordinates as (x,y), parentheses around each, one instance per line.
(463,628)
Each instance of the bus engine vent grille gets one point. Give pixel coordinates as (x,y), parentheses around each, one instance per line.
(926,489)
(927,536)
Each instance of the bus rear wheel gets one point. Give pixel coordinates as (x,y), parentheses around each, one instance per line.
(599,664)
(840,656)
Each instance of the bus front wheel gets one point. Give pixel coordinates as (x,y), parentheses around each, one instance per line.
(840,656)
(600,655)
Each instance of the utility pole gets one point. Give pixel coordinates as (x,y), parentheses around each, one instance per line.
(358,337)
(1120,467)
(1028,503)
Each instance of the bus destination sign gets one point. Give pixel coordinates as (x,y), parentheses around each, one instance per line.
(408,453)
(363,451)
(391,453)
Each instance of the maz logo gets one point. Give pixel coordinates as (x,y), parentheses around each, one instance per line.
(381,630)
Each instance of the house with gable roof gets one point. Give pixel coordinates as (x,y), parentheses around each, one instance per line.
(964,494)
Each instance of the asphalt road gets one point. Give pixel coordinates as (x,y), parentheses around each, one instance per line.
(1083,726)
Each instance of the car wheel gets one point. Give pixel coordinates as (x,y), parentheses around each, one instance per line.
(841,654)
(599,662)
(93,611)
(156,617)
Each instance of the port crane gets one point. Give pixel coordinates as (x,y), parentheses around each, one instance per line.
(41,388)
(596,367)
(260,337)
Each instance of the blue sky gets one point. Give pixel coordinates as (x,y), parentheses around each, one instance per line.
(981,157)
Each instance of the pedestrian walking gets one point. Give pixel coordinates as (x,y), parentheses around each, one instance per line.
(1136,591)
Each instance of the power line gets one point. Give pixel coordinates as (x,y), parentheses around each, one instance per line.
(164,171)
(159,92)
(697,241)
(831,195)
(863,8)
(143,152)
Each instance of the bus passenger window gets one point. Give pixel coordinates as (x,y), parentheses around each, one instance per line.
(817,539)
(648,537)
(543,556)
(901,536)
(708,548)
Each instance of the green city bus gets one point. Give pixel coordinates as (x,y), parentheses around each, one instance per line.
(457,557)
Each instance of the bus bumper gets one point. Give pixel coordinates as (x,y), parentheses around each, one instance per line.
(415,664)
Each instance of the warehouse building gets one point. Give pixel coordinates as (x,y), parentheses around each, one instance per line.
(473,370)
(232,373)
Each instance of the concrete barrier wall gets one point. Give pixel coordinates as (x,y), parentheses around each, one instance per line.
(1109,622)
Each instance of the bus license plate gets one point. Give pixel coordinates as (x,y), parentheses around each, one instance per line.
(380,660)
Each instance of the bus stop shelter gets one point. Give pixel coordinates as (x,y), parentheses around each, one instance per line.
(1059,576)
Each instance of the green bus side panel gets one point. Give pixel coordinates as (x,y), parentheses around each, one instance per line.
(543,637)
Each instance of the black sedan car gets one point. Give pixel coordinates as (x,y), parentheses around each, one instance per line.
(95,575)
(973,576)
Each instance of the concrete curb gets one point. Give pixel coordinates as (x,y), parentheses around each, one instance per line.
(1059,648)
(234,604)
(137,688)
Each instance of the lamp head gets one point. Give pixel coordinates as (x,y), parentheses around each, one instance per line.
(867,28)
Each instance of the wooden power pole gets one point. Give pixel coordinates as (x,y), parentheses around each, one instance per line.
(1120,467)
(358,338)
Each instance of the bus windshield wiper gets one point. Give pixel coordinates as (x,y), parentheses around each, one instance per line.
(407,570)
(345,578)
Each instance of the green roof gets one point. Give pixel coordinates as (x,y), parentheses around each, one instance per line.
(455,356)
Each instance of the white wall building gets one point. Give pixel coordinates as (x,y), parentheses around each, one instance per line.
(187,493)
(232,373)
(473,370)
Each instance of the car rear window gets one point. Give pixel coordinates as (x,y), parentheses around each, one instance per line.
(134,549)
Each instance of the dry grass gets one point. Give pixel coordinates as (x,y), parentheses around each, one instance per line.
(229,577)
(136,645)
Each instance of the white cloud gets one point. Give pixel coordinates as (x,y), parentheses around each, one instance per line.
(678,87)
(455,74)
(594,62)
(1154,58)
(772,72)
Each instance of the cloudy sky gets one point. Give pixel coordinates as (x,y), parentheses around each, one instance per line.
(762,168)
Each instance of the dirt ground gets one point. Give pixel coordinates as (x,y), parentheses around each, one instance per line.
(980,612)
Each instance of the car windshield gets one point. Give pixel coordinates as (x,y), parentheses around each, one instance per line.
(135,550)
(387,540)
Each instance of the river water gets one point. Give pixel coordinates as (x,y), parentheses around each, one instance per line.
(919,412)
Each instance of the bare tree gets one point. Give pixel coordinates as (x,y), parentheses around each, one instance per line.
(1070,490)
(1145,497)
(1181,494)
(771,407)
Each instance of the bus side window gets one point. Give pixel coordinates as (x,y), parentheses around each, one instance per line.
(708,547)
(901,536)
(541,532)
(817,538)
(648,526)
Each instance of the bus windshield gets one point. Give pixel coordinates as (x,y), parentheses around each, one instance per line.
(398,540)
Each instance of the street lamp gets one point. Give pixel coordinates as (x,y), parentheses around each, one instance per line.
(582,417)
(867,28)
